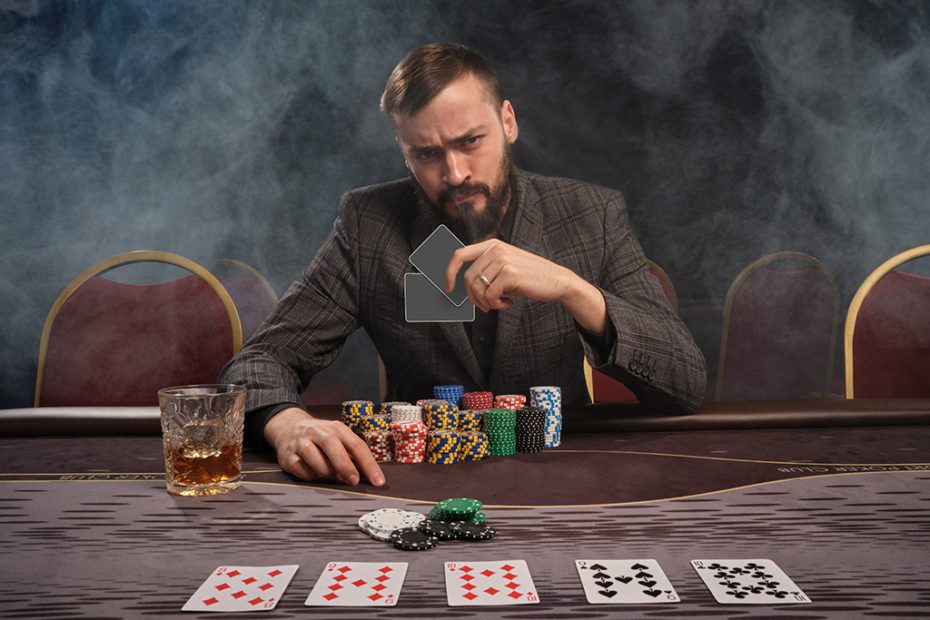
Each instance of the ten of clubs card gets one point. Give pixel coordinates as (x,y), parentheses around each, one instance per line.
(359,584)
(242,588)
(505,582)
(625,581)
(748,582)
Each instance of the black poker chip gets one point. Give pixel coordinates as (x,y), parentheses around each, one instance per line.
(437,529)
(412,539)
(474,531)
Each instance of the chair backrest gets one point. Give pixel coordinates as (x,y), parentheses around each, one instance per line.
(250,291)
(887,335)
(780,320)
(110,343)
(604,389)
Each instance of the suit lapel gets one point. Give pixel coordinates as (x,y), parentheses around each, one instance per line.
(424,223)
(527,229)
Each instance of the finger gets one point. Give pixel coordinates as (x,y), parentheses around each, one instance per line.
(485,266)
(312,458)
(462,256)
(366,462)
(291,463)
(338,457)
(502,282)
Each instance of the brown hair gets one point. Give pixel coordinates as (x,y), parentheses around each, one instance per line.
(428,69)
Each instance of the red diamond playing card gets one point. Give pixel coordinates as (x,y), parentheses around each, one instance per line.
(242,588)
(506,582)
(359,584)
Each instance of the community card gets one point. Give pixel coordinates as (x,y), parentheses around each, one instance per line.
(748,582)
(506,582)
(359,584)
(242,588)
(625,581)
(432,259)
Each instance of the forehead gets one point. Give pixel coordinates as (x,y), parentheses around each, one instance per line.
(460,107)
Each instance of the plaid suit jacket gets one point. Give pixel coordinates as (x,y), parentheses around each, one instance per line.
(357,280)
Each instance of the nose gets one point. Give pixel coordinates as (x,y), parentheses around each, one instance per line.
(455,171)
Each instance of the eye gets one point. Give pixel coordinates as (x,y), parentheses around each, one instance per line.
(472,140)
(425,154)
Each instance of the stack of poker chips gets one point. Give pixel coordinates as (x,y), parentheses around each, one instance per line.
(473,446)
(509,401)
(477,400)
(450,393)
(470,420)
(531,427)
(353,411)
(442,447)
(406,413)
(500,427)
(388,407)
(375,422)
(381,444)
(440,415)
(409,441)
(549,399)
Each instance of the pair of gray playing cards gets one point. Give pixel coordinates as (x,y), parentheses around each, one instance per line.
(425,296)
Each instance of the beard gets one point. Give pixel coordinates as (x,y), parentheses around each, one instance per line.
(471,227)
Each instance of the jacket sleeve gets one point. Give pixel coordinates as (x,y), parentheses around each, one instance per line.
(308,327)
(648,349)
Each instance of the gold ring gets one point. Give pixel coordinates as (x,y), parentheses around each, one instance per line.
(484,279)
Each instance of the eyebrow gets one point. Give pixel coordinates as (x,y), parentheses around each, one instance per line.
(478,130)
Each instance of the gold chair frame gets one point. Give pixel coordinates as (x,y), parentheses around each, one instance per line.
(126,258)
(856,304)
(252,271)
(673,300)
(740,279)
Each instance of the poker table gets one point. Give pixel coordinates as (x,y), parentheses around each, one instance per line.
(836,492)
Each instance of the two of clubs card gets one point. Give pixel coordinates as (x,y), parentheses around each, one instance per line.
(731,582)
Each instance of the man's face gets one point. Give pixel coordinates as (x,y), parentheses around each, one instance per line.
(457,148)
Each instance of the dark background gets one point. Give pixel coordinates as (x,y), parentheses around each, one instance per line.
(230,129)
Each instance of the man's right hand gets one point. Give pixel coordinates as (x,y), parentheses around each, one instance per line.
(315,449)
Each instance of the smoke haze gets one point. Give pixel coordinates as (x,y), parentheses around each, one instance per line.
(230,129)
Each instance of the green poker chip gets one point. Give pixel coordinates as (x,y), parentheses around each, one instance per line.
(456,509)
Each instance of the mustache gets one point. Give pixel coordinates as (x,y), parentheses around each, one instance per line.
(465,189)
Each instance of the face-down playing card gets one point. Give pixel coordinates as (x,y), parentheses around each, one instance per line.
(359,584)
(432,259)
(625,581)
(423,303)
(505,582)
(748,582)
(242,588)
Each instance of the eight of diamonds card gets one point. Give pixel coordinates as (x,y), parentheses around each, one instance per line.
(625,581)
(748,582)
(506,582)
(242,588)
(359,584)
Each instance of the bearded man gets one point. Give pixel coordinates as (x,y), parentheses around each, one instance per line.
(552,265)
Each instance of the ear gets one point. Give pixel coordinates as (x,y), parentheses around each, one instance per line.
(509,122)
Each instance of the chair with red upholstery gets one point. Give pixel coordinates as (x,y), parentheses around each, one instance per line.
(604,389)
(110,343)
(250,291)
(780,319)
(887,335)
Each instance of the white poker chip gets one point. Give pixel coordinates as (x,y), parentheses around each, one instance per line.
(380,523)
